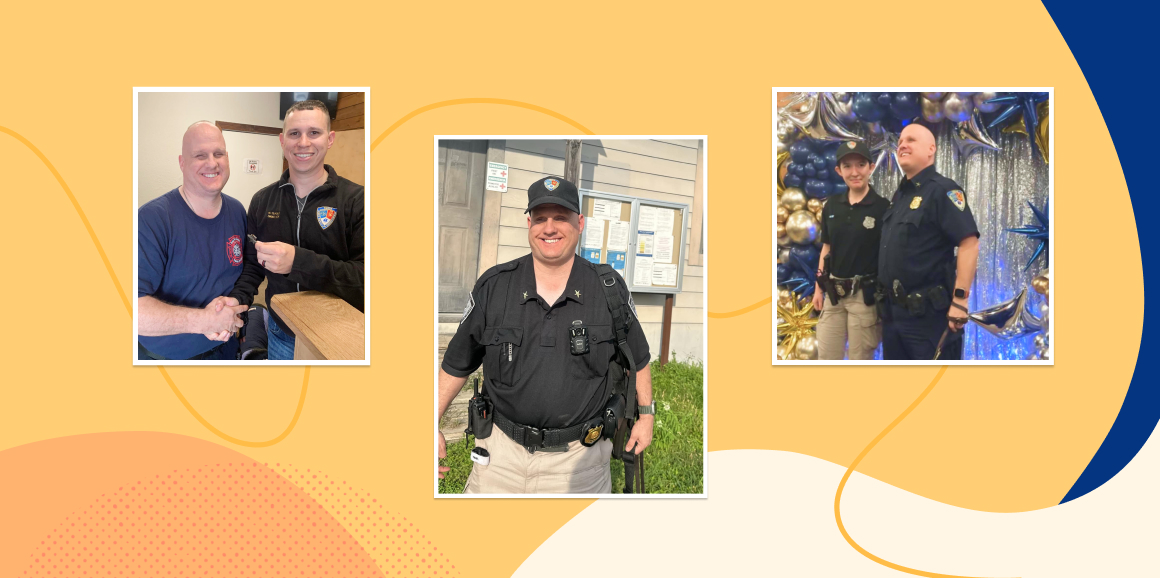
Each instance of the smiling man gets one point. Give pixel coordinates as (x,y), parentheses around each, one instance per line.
(926,262)
(309,226)
(563,357)
(189,254)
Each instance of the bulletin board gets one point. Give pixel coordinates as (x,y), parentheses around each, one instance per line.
(643,239)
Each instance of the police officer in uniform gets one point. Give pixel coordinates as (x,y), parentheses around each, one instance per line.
(850,230)
(542,328)
(924,286)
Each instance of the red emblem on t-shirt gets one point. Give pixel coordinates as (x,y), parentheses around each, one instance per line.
(234,250)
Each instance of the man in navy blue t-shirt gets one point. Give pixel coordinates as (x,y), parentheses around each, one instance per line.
(190,252)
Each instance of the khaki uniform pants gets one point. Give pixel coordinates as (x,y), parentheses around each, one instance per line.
(851,318)
(513,470)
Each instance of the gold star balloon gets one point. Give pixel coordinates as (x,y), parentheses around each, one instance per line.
(795,322)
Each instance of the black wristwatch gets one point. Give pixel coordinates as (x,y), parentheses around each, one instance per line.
(961,293)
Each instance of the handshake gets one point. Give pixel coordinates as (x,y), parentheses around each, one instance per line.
(221,317)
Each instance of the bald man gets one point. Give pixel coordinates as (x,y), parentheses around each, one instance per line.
(926,286)
(190,244)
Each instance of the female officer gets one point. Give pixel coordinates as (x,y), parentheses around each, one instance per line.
(850,230)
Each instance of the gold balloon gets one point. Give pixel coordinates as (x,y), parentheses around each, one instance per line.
(784,241)
(1042,283)
(807,347)
(1042,140)
(802,227)
(783,254)
(795,322)
(785,297)
(932,108)
(782,168)
(934,95)
(793,199)
(814,205)
(784,353)
(780,230)
(782,214)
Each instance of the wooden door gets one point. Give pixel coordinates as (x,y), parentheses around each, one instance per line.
(462,174)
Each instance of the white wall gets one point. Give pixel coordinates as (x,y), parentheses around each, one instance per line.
(649,169)
(162,118)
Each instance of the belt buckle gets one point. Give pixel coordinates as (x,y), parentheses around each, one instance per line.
(533,439)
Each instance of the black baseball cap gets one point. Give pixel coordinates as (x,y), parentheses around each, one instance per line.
(554,191)
(853,147)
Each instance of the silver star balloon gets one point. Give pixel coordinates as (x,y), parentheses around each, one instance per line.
(883,146)
(1009,319)
(970,136)
(818,115)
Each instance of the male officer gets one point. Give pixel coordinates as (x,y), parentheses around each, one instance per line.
(851,229)
(309,226)
(925,286)
(546,389)
(189,254)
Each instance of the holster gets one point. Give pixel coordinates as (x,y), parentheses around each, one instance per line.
(869,285)
(826,282)
(480,414)
(882,302)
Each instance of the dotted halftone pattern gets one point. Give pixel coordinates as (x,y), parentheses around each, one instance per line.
(237,519)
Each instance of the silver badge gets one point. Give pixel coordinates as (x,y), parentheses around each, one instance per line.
(868,223)
(467,309)
(841,292)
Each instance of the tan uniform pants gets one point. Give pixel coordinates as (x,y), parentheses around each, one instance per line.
(850,319)
(513,470)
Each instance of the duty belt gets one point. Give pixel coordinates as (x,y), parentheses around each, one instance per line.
(534,438)
(846,287)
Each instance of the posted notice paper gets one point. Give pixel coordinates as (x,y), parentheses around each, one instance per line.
(663,251)
(665,275)
(642,271)
(605,209)
(647,220)
(594,234)
(665,219)
(644,243)
(618,235)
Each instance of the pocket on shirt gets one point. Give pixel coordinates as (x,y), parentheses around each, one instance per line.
(502,354)
(601,348)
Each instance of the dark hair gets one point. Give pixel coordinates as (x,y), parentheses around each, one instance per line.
(309,105)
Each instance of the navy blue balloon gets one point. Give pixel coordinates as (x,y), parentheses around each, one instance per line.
(797,169)
(809,170)
(817,188)
(905,105)
(807,252)
(866,107)
(800,151)
(819,162)
(841,188)
(831,157)
(792,181)
(883,99)
(784,272)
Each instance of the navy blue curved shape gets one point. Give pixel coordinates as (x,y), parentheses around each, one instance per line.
(1117,78)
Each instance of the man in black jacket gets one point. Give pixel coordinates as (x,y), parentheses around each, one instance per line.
(309,226)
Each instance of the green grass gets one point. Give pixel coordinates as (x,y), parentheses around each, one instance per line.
(673,463)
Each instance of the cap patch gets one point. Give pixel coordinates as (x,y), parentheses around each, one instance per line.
(851,144)
(551,184)
(958,199)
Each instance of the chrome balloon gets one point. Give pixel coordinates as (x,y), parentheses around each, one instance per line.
(932,110)
(802,227)
(883,147)
(970,136)
(1009,319)
(981,103)
(817,115)
(956,108)
(935,96)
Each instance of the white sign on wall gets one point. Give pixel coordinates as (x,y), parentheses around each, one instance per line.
(254,166)
(497,177)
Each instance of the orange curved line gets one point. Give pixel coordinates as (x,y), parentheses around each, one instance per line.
(743,310)
(457,101)
(129,307)
(230,438)
(858,460)
(76,205)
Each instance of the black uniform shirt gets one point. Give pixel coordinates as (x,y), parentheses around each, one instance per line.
(523,344)
(927,219)
(853,231)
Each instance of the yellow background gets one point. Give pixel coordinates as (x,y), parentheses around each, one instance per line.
(990,438)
